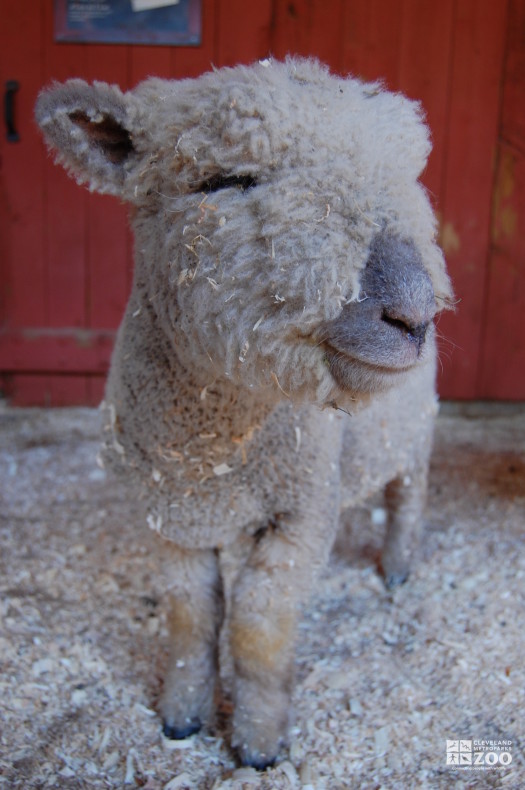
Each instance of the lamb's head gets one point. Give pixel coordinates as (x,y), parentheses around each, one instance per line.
(282,237)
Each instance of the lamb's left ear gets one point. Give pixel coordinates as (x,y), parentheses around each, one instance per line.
(91,129)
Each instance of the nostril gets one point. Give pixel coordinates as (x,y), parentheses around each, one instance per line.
(414,332)
(397,322)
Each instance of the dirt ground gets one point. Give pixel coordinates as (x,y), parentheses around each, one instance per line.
(383,679)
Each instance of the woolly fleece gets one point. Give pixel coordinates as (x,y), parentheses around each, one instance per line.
(257,195)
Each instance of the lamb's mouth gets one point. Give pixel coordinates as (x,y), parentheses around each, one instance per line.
(354,373)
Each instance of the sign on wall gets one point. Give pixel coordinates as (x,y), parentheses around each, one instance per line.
(174,22)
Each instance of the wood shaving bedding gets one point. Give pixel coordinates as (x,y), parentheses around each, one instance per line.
(383,678)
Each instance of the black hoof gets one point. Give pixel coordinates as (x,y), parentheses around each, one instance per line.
(258,761)
(395,580)
(392,577)
(179,733)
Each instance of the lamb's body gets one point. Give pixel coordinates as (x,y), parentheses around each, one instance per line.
(285,265)
(220,461)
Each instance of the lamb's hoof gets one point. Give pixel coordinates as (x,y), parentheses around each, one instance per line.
(393,570)
(257,760)
(179,733)
(395,579)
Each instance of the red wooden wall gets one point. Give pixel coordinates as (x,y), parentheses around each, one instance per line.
(66,255)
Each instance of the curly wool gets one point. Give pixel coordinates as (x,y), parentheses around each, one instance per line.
(285,264)
(231,285)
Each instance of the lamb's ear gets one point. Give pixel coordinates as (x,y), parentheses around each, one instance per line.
(91,129)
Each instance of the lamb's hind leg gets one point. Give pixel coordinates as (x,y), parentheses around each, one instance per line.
(405,499)
(266,597)
(196,611)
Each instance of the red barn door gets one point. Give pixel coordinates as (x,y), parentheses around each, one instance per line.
(65,255)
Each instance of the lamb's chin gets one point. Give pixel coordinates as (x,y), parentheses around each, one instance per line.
(360,377)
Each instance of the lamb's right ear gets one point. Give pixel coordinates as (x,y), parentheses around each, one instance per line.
(91,129)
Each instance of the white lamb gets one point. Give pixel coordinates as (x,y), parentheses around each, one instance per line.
(286,273)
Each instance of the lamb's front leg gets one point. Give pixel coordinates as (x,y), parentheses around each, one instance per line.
(266,598)
(405,499)
(196,612)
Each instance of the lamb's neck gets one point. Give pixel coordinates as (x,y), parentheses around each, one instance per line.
(228,410)
(211,425)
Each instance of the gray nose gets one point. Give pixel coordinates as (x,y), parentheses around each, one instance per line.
(414,332)
(384,330)
(394,278)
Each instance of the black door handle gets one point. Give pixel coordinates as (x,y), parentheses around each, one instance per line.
(11,88)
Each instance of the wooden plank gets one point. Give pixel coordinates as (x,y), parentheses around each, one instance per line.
(513,111)
(108,252)
(309,28)
(424,73)
(372,38)
(23,281)
(407,46)
(290,34)
(96,386)
(66,221)
(475,85)
(56,350)
(109,261)
(242,32)
(66,204)
(30,301)
(502,372)
(26,390)
(146,61)
(67,391)
(192,61)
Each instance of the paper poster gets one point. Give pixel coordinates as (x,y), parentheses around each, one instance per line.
(175,22)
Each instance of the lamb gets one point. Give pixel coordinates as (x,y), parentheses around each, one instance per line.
(276,360)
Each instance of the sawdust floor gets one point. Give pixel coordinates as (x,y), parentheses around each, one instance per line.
(383,679)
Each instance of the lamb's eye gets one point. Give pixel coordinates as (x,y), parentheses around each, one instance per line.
(223,181)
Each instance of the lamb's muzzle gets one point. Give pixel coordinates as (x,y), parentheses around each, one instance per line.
(382,334)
